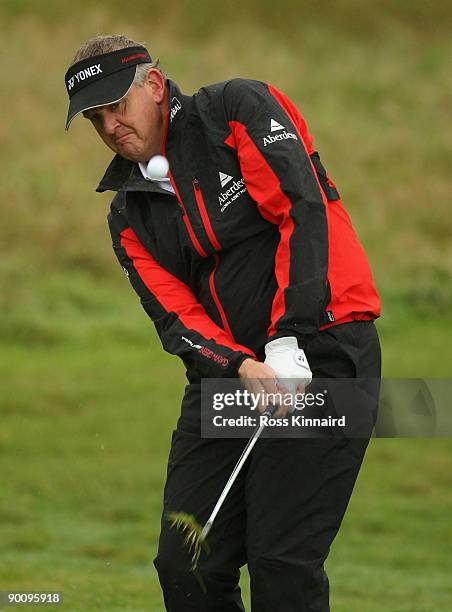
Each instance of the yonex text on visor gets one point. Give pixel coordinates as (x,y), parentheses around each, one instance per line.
(102,79)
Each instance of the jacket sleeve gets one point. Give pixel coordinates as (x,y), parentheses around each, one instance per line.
(277,163)
(181,321)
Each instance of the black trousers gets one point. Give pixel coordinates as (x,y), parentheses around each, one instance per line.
(282,513)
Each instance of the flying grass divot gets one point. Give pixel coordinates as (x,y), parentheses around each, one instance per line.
(194,539)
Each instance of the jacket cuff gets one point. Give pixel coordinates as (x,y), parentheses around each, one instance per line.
(235,363)
(302,339)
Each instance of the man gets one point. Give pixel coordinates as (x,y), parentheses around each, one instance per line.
(247,263)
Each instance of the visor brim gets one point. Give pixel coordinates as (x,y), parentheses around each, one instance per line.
(101,93)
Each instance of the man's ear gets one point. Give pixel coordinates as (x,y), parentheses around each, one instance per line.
(157,82)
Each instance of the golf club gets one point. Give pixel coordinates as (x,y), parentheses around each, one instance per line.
(196,534)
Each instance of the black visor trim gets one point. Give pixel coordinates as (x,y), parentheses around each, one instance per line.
(102,79)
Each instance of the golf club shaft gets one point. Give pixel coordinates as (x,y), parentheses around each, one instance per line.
(235,472)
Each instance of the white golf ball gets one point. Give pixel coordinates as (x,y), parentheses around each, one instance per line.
(158,167)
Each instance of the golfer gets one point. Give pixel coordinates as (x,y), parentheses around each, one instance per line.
(246,261)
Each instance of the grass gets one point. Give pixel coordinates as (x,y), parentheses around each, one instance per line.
(85,462)
(89,399)
(86,425)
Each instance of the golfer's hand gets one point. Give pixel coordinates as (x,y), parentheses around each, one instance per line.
(260,380)
(289,363)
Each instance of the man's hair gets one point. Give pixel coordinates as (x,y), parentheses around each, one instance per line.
(104,44)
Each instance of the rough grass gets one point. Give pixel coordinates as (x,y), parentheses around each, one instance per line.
(83,444)
(374,86)
(89,399)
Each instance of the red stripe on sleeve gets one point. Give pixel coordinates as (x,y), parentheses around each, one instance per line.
(174,295)
(296,118)
(264,187)
(302,130)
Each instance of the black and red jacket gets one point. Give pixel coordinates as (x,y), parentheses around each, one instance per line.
(255,245)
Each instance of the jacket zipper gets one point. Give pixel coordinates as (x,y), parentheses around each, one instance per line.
(190,231)
(205,216)
(214,294)
(217,246)
(186,219)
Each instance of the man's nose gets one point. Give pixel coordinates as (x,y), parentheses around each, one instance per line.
(109,123)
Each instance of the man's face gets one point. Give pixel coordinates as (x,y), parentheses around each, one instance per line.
(134,126)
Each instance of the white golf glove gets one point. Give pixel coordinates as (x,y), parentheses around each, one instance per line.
(288,362)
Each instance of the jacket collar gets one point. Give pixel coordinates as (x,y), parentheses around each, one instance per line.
(125,175)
